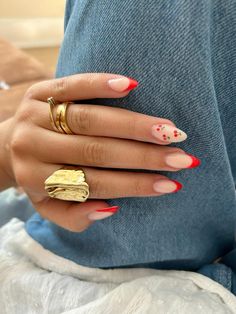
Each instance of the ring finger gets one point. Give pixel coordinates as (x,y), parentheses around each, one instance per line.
(107,184)
(103,184)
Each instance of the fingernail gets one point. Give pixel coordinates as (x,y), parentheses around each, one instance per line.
(167,186)
(122,84)
(103,213)
(178,160)
(168,133)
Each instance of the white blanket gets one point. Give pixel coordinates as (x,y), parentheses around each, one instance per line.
(34,280)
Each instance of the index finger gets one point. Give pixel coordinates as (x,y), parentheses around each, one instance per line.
(82,86)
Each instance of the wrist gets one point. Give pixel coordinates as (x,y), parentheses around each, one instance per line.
(6,174)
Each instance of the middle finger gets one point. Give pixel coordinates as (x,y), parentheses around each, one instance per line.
(108,152)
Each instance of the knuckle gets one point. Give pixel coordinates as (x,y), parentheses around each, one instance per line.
(132,126)
(96,188)
(81,120)
(94,153)
(25,113)
(60,86)
(92,81)
(18,141)
(146,159)
(30,92)
(21,175)
(33,89)
(138,187)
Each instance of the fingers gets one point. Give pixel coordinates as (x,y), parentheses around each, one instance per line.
(101,120)
(105,184)
(105,152)
(83,86)
(115,122)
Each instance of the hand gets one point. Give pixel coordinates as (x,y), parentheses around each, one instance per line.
(105,137)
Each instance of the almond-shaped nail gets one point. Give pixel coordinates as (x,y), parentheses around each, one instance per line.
(103,213)
(122,84)
(168,133)
(167,186)
(180,160)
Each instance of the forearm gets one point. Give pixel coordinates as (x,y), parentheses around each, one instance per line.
(6,179)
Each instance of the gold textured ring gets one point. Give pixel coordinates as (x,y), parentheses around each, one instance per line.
(67,185)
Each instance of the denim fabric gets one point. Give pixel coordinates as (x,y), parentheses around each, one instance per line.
(183,53)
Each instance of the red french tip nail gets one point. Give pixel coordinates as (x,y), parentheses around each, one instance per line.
(132,84)
(178,186)
(112,209)
(195,161)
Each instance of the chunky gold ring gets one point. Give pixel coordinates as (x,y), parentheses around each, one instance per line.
(67,185)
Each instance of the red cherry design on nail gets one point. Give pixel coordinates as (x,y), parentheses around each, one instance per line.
(175,135)
(158,129)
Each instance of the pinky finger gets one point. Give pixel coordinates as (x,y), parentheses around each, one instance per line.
(74,216)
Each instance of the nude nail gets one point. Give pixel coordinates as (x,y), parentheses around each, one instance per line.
(168,133)
(179,160)
(167,186)
(103,213)
(122,84)
(99,216)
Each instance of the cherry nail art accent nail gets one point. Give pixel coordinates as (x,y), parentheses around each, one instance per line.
(168,133)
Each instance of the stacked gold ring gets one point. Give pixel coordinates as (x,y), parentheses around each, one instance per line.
(60,124)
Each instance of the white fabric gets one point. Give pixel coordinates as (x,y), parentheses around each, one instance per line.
(34,280)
